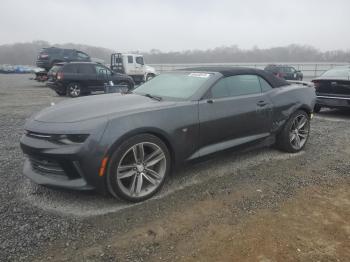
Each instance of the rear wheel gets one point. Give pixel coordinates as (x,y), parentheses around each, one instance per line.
(74,90)
(295,133)
(138,168)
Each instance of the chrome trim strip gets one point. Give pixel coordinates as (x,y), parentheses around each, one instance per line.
(334,97)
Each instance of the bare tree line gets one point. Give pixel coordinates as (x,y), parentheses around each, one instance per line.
(25,53)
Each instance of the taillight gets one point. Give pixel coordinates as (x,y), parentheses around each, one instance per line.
(59,75)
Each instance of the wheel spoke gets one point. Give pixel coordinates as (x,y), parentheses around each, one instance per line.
(126,174)
(132,187)
(155,160)
(153,173)
(125,168)
(302,131)
(292,137)
(302,122)
(134,150)
(139,153)
(142,152)
(150,179)
(303,136)
(297,141)
(153,154)
(139,184)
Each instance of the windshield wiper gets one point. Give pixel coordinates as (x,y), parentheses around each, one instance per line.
(158,98)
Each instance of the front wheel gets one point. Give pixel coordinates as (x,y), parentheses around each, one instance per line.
(295,133)
(138,168)
(126,86)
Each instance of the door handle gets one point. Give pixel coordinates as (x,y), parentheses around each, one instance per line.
(210,101)
(262,103)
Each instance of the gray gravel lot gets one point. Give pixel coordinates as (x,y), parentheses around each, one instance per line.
(34,218)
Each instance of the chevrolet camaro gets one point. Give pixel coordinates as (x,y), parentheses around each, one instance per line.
(127,144)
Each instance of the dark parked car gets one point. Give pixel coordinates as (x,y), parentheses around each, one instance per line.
(53,55)
(285,71)
(128,144)
(333,88)
(79,78)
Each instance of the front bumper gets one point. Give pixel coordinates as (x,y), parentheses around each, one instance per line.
(65,166)
(50,179)
(333,101)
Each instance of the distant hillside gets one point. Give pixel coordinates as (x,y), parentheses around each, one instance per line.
(26,53)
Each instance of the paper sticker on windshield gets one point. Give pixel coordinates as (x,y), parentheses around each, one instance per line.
(202,75)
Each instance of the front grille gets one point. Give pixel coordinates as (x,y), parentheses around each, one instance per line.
(46,166)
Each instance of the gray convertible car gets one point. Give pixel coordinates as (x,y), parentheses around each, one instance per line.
(127,144)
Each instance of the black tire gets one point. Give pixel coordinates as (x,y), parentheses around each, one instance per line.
(117,188)
(284,141)
(74,90)
(317,108)
(128,85)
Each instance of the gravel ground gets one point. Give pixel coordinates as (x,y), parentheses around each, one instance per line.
(40,224)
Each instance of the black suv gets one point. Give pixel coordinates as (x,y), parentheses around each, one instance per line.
(53,55)
(80,78)
(285,71)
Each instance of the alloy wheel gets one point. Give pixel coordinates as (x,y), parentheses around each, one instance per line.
(74,90)
(299,131)
(141,169)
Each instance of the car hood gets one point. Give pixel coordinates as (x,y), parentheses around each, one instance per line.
(85,108)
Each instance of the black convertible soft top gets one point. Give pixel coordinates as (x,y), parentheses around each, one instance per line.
(231,71)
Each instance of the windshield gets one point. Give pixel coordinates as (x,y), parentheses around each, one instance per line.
(338,72)
(179,85)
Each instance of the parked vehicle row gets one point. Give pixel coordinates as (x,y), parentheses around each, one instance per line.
(127,145)
(131,65)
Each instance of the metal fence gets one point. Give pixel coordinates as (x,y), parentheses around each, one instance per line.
(310,70)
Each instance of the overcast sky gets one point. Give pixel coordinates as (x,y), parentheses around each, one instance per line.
(178,24)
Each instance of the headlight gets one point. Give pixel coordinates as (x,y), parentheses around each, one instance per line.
(71,139)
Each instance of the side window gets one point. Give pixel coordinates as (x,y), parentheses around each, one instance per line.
(243,85)
(265,86)
(86,69)
(237,85)
(220,89)
(130,59)
(102,71)
(139,60)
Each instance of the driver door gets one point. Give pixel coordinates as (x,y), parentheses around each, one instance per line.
(235,111)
